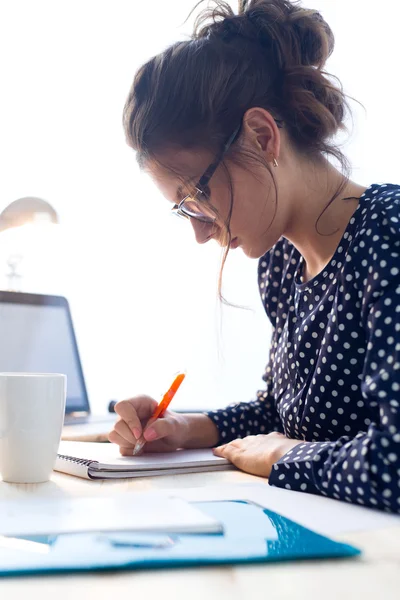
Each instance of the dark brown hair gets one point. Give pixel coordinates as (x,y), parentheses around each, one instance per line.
(270,55)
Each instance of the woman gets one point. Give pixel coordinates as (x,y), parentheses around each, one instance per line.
(235,127)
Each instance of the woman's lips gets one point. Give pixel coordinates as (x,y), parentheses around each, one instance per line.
(234,243)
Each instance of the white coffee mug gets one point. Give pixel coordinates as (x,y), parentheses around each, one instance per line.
(32,407)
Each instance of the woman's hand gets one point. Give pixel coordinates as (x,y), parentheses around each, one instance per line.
(256,454)
(167,433)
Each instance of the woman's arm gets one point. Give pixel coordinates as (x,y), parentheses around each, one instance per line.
(364,469)
(201,432)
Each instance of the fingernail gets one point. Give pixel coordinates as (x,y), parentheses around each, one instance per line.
(150,434)
(136,432)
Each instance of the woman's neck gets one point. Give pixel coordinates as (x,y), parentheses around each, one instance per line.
(315,226)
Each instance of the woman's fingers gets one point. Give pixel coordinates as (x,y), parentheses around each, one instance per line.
(219,450)
(128,414)
(124,431)
(136,412)
(238,443)
(222,451)
(159,429)
(229,451)
(164,434)
(125,448)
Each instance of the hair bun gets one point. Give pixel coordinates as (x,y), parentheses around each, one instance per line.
(315,37)
(303,36)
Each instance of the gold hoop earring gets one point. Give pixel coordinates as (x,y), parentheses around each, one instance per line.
(275,162)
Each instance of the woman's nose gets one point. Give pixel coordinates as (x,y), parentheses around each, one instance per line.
(202,231)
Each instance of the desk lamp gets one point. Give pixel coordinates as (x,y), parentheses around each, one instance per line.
(22,217)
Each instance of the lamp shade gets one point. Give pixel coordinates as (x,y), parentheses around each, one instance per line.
(27,210)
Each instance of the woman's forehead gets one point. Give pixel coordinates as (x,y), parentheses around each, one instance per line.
(169,185)
(179,163)
(174,173)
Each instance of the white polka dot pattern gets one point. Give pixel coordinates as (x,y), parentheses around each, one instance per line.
(333,378)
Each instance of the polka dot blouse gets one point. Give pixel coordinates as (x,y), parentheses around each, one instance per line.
(333,378)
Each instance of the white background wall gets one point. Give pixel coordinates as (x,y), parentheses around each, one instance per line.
(143,293)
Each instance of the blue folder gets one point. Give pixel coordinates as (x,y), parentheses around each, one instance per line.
(251,535)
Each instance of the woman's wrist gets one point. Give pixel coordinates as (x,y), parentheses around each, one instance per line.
(285,444)
(199,431)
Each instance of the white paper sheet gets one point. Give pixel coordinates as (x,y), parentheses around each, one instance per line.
(127,512)
(323,515)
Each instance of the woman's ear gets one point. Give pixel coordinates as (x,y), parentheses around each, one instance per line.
(260,130)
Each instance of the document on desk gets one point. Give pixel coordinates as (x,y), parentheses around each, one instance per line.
(133,512)
(250,535)
(323,515)
(103,461)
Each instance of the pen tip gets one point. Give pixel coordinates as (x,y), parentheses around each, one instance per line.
(138,448)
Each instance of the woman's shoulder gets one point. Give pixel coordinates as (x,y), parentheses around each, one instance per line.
(377,219)
(375,249)
(373,253)
(380,207)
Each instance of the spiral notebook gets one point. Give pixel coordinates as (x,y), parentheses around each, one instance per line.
(103,461)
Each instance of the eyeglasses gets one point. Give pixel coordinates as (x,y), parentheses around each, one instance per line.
(195,205)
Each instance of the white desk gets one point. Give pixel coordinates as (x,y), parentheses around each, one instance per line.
(375,575)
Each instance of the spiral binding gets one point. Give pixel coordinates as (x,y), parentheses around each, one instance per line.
(78,461)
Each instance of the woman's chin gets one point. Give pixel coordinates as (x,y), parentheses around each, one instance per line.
(253,251)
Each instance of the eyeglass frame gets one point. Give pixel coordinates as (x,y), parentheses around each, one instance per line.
(208,173)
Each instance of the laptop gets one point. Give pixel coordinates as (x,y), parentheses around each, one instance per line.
(37,335)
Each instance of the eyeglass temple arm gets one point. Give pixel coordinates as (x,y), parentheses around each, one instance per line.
(205,178)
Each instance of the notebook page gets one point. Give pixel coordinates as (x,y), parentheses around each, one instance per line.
(109,458)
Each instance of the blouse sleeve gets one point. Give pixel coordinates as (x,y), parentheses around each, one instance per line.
(364,469)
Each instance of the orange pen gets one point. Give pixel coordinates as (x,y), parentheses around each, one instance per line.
(160,409)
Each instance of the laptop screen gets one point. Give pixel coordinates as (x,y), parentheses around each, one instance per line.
(37,336)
